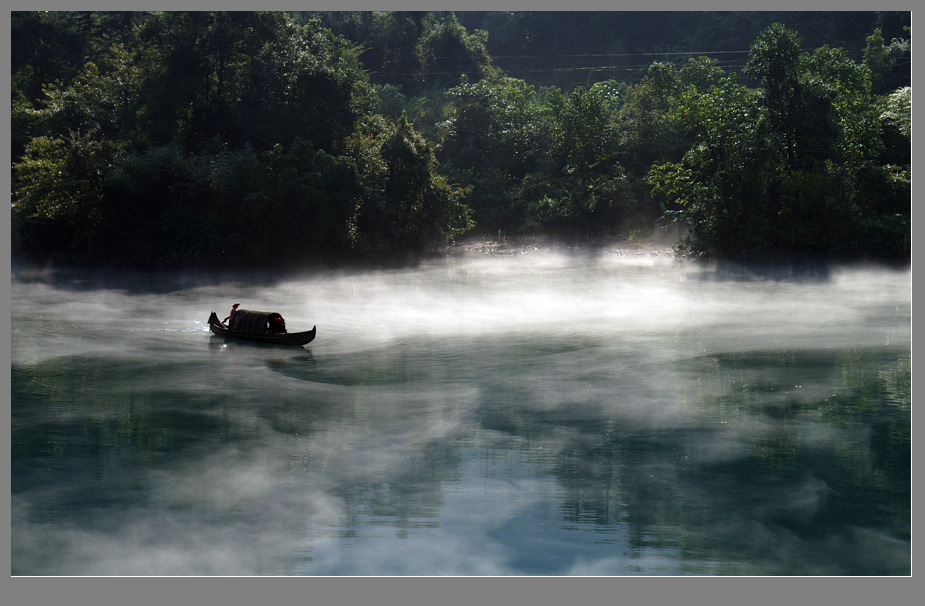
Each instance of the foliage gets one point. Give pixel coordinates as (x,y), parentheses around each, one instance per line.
(178,138)
(408,206)
(897,111)
(418,52)
(888,63)
(250,78)
(789,169)
(554,155)
(211,137)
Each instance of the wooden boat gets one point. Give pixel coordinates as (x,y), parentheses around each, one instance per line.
(259,326)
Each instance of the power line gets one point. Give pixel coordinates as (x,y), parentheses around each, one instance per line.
(810,26)
(669,52)
(634,67)
(547,70)
(630,68)
(646,54)
(748,23)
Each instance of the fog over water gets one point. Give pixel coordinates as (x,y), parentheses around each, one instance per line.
(544,413)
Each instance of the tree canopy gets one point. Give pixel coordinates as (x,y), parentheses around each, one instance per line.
(154,139)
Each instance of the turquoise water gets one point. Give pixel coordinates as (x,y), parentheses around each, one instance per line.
(534,414)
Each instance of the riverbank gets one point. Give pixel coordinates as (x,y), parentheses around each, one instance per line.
(649,247)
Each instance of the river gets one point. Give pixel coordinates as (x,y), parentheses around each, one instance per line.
(540,413)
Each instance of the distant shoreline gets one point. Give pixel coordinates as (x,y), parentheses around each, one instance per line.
(520,245)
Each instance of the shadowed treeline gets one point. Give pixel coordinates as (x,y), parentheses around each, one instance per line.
(279,140)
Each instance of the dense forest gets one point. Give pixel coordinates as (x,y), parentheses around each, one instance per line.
(177,139)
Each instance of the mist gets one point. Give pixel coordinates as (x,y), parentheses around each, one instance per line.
(541,413)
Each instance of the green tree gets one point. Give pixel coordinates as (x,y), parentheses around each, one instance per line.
(128,157)
(774,63)
(587,190)
(721,183)
(449,51)
(152,213)
(501,132)
(540,160)
(408,205)
(252,78)
(56,202)
(788,170)
(309,198)
(886,62)
(642,116)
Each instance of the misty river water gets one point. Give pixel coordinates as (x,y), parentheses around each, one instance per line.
(542,413)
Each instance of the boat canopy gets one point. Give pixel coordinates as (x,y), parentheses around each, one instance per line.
(250,322)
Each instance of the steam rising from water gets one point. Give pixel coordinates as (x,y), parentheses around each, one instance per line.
(535,414)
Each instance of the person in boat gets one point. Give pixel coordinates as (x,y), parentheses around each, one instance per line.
(230,317)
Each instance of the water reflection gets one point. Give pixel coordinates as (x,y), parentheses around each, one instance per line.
(514,416)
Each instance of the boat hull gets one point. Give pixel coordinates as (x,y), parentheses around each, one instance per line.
(286,338)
